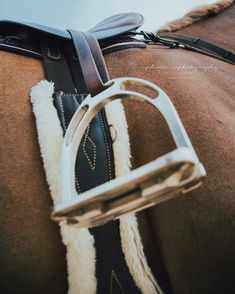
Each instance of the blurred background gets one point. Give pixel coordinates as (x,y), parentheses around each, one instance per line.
(83,14)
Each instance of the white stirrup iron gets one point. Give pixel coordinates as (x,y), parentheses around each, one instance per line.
(178,171)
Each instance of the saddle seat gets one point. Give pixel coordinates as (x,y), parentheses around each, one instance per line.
(120,24)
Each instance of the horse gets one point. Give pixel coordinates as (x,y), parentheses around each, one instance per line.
(187,241)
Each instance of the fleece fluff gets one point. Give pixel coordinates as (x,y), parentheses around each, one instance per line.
(79,242)
(130,238)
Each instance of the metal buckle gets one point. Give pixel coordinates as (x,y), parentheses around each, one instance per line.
(176,172)
(157,39)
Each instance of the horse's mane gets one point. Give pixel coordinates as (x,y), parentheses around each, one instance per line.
(196,15)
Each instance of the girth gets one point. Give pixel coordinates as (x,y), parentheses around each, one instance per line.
(77,70)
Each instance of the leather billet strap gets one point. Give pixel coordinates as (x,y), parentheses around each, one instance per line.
(91,61)
(202,46)
(94,163)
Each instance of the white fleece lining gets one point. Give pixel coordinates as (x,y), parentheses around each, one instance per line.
(79,242)
(130,238)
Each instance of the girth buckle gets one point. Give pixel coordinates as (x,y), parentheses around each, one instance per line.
(157,39)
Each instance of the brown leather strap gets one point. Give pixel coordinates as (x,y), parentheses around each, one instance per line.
(202,46)
(98,56)
(90,60)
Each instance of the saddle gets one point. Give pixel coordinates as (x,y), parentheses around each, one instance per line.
(74,61)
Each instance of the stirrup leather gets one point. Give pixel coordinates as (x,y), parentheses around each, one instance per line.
(176,172)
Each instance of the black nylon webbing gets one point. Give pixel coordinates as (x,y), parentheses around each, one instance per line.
(56,65)
(202,46)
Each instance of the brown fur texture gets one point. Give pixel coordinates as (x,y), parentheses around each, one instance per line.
(32,255)
(189,240)
(196,15)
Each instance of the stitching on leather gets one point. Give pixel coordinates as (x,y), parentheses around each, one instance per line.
(62,94)
(112,277)
(77,184)
(106,144)
(76,178)
(62,111)
(63,119)
(92,163)
(73,95)
(105,139)
(87,137)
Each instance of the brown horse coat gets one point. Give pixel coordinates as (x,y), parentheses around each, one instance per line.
(189,241)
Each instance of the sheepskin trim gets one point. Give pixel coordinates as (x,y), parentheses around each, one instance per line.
(79,242)
(48,127)
(130,238)
(195,16)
